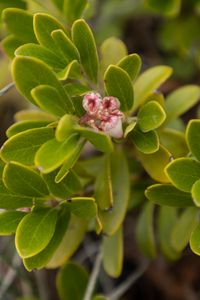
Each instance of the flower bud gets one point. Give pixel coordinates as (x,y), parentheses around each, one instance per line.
(110,103)
(91,103)
(113,126)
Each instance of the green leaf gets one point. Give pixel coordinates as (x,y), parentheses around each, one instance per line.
(196,193)
(23,146)
(10,44)
(48,98)
(9,200)
(65,127)
(35,231)
(193,136)
(41,259)
(168,195)
(151,165)
(67,280)
(43,25)
(9,221)
(183,173)
(33,114)
(150,116)
(131,64)
(112,51)
(167,218)
(76,89)
(181,100)
(148,82)
(12,3)
(174,141)
(25,125)
(29,72)
(145,232)
(129,128)
(118,84)
(169,8)
(73,10)
(83,207)
(24,181)
(53,154)
(183,228)
(195,240)
(113,254)
(103,186)
(112,220)
(72,71)
(146,142)
(70,242)
(68,186)
(83,39)
(20,23)
(65,45)
(70,161)
(42,53)
(99,140)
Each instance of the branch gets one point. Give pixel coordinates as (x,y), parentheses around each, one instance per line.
(7,88)
(121,289)
(93,277)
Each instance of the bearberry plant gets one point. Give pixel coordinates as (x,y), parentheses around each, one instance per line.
(74,161)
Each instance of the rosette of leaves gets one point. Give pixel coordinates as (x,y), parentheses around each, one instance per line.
(52,190)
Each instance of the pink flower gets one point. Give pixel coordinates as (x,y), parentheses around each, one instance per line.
(91,103)
(110,104)
(113,126)
(103,114)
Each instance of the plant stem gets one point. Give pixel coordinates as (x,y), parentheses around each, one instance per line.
(7,88)
(93,277)
(122,288)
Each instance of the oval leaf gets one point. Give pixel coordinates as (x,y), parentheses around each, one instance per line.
(23,146)
(99,139)
(67,279)
(151,165)
(181,100)
(25,125)
(183,228)
(83,39)
(48,98)
(9,221)
(118,84)
(29,72)
(168,195)
(148,82)
(145,232)
(183,173)
(53,153)
(112,220)
(131,64)
(35,231)
(146,142)
(193,136)
(40,260)
(70,242)
(113,254)
(24,181)
(150,116)
(68,49)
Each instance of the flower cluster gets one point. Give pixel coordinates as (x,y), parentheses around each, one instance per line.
(103,114)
